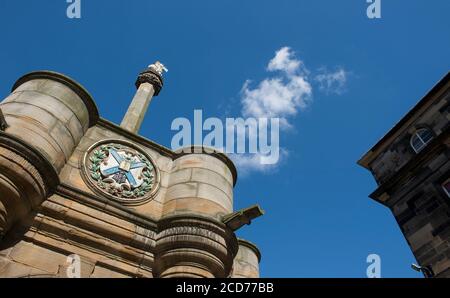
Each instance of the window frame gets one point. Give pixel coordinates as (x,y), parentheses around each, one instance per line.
(417,135)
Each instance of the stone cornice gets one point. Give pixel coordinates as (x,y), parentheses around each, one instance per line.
(168,220)
(106,205)
(437,145)
(440,88)
(135,137)
(114,208)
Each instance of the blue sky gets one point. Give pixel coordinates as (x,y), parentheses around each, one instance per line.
(319,220)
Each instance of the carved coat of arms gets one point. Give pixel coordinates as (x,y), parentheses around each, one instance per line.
(121,172)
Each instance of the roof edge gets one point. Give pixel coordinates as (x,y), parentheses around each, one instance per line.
(367,158)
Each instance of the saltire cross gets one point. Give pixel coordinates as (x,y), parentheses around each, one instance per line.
(116,169)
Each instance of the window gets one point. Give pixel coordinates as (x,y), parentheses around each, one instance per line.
(446,187)
(420,139)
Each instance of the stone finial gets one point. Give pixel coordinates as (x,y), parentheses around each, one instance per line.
(158,67)
(153,75)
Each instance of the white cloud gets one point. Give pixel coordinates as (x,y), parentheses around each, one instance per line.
(332,82)
(284,60)
(247,163)
(281,96)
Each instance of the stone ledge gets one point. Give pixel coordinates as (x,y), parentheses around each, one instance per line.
(106,205)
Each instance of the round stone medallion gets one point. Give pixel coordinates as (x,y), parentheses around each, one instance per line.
(120,171)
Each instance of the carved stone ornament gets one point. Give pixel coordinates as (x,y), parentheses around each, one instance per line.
(120,171)
(158,67)
(152,77)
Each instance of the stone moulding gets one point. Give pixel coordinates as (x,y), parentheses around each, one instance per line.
(152,77)
(26,177)
(437,145)
(164,151)
(114,208)
(65,80)
(204,245)
(37,159)
(103,204)
(50,232)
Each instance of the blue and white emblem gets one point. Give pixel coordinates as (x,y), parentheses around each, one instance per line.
(123,168)
(121,171)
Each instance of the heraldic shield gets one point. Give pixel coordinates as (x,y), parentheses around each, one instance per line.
(120,171)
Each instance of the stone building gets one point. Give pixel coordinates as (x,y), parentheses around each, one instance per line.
(411,167)
(78,192)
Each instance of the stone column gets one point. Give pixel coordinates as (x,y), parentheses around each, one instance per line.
(148,84)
